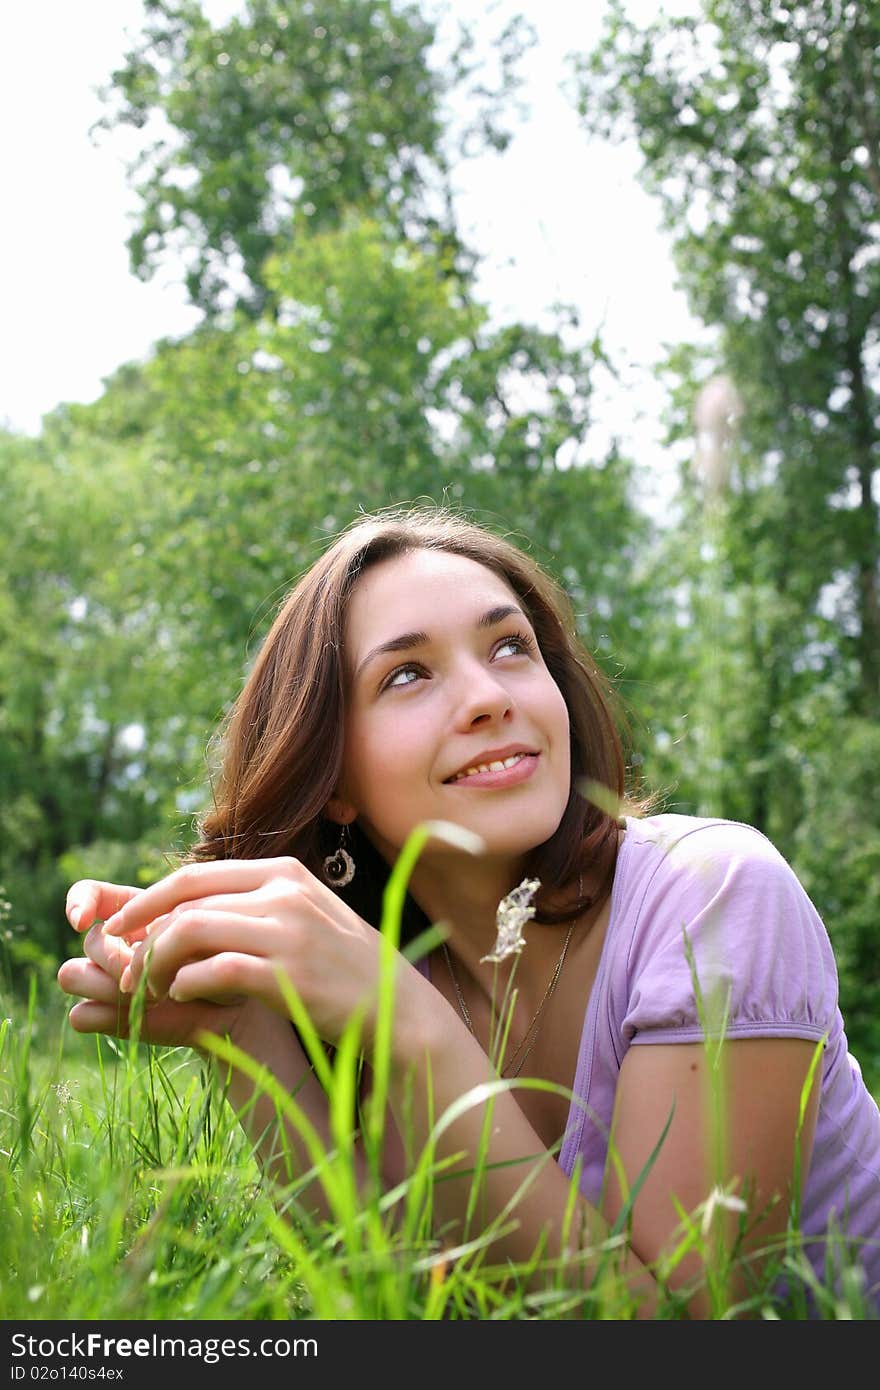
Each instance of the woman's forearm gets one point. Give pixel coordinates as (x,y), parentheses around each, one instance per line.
(280,1147)
(520,1186)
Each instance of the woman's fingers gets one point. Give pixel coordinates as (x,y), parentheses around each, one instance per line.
(197,881)
(244,904)
(89,900)
(88,981)
(168,1023)
(194,935)
(91,1017)
(111,953)
(104,1008)
(224,979)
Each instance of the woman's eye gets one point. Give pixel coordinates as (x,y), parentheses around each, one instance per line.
(520,642)
(399,679)
(393,681)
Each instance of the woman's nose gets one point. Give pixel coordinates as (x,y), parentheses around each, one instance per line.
(481,696)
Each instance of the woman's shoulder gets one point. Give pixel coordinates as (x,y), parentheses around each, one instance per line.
(690,857)
(716,897)
(694,839)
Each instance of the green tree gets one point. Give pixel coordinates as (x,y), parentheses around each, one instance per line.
(288,109)
(758,126)
(157,528)
(84,670)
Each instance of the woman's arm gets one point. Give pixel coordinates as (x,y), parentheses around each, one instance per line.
(279,1145)
(254,1028)
(522,1186)
(222,931)
(735,1131)
(763,1083)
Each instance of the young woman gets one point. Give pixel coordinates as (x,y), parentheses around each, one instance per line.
(425,670)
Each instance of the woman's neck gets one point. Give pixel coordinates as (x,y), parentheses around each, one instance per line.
(467,905)
(464,899)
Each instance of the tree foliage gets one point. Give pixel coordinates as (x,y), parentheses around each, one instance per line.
(352,367)
(301,164)
(285,118)
(758,126)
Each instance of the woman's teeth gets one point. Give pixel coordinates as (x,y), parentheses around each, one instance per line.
(490,767)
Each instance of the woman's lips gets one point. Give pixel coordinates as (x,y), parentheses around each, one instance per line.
(504,777)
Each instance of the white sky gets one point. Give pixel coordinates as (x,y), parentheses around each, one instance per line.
(557,217)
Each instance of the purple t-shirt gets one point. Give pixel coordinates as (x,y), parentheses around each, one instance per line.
(765,968)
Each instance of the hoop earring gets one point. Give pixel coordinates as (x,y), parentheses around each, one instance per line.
(339,867)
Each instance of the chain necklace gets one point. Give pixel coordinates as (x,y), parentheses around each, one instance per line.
(533,1028)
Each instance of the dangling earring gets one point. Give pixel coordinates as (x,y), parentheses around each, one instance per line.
(339,867)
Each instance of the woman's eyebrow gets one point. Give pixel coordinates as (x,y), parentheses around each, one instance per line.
(406,641)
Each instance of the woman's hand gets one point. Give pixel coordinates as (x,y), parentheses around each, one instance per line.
(94,979)
(223,930)
(253,1027)
(89,901)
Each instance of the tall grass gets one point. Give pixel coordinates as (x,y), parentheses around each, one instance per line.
(129,1191)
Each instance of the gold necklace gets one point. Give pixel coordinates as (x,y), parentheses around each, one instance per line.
(532,1030)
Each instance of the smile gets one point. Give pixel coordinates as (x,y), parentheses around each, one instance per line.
(505,772)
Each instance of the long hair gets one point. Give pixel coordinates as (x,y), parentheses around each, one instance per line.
(282,743)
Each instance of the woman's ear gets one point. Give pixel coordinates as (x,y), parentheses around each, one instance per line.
(340,811)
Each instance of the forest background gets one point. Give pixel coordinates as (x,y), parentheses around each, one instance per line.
(299,161)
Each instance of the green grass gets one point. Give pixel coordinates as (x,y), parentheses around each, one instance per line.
(129,1191)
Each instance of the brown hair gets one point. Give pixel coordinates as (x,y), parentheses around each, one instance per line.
(283,739)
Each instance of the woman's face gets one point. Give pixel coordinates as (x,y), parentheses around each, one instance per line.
(445,677)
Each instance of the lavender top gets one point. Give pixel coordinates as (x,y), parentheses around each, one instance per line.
(761,949)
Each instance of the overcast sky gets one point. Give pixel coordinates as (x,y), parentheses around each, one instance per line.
(557,217)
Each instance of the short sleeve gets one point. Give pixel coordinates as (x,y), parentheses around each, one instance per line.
(726,938)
